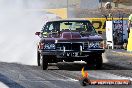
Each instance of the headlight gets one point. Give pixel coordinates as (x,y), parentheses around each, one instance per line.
(49,46)
(96,44)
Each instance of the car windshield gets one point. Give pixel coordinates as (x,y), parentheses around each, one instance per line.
(83,27)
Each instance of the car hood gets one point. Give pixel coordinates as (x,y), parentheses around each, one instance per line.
(73,37)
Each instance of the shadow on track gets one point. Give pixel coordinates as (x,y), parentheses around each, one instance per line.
(73,66)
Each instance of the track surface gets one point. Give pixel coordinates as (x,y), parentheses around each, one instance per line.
(65,75)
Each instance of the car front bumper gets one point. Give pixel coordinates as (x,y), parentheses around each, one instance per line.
(71,53)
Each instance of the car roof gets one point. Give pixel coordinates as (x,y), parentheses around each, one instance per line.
(70,19)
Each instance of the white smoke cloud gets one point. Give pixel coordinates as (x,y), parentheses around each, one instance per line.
(17,31)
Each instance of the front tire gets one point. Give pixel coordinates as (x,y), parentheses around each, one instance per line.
(95,61)
(44,62)
(98,62)
(38,58)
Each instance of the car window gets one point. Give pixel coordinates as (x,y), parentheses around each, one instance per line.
(73,26)
(84,27)
(51,27)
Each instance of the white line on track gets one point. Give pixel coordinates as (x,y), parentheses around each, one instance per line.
(2,85)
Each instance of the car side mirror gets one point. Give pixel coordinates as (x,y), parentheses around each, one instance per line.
(37,33)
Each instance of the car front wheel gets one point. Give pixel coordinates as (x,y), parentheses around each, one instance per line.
(98,62)
(38,58)
(44,62)
(95,61)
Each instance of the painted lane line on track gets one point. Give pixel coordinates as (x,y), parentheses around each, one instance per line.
(44,80)
(2,85)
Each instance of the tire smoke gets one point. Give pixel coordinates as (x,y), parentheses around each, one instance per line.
(18,25)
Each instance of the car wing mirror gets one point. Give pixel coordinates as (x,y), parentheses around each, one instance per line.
(37,33)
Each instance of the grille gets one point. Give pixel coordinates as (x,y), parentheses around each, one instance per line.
(69,46)
(85,45)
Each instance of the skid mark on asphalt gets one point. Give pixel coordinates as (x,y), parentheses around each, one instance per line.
(49,79)
(43,76)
